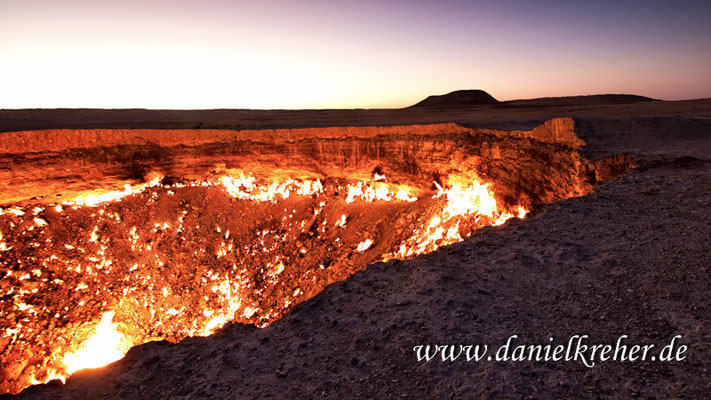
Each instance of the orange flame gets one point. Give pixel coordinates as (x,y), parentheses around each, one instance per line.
(460,203)
(476,200)
(105,346)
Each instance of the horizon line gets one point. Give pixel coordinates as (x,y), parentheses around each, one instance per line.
(501,102)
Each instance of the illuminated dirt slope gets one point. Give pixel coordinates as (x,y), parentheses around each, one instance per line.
(225,225)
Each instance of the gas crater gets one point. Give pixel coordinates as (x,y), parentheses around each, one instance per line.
(114,238)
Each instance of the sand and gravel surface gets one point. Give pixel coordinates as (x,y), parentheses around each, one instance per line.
(631,258)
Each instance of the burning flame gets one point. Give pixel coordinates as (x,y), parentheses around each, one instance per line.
(245,188)
(375,192)
(364,245)
(451,213)
(105,346)
(94,199)
(475,200)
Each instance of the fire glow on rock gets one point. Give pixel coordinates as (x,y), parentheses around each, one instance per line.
(214,226)
(86,280)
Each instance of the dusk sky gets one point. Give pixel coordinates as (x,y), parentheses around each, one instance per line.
(345,54)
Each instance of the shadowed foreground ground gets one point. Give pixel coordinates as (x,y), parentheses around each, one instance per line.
(631,258)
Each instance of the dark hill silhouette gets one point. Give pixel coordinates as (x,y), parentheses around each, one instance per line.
(465,98)
(458,98)
(596,99)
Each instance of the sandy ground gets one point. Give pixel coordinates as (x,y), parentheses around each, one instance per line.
(632,258)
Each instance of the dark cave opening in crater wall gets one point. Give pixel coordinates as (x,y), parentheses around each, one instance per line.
(113,238)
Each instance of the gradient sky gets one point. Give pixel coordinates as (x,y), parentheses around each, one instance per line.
(344,54)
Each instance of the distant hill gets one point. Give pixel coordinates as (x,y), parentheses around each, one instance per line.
(596,99)
(465,98)
(458,98)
